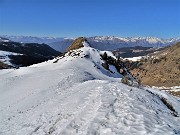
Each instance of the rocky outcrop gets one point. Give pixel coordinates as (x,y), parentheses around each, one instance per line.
(77,43)
(120,67)
(3,65)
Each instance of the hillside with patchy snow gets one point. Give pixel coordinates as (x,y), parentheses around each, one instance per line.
(158,69)
(75,95)
(15,54)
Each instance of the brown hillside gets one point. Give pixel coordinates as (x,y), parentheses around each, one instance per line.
(161,69)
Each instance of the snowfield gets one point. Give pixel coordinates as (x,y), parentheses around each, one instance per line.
(134,58)
(75,95)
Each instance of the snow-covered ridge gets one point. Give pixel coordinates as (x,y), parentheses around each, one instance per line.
(75,95)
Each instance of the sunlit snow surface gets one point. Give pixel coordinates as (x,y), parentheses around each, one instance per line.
(134,58)
(76,96)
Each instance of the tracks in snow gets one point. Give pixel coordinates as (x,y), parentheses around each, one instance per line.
(72,111)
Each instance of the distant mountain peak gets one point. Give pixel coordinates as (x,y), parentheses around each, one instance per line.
(98,42)
(32,39)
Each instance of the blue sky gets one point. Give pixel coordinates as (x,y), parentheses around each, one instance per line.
(73,18)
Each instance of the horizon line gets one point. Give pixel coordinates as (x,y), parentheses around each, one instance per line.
(2,35)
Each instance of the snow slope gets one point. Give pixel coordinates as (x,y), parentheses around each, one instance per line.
(75,95)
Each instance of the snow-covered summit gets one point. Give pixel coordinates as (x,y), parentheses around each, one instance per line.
(75,95)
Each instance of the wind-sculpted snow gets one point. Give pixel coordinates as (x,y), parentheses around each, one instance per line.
(77,96)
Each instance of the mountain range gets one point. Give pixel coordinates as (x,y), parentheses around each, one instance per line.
(98,42)
(32,39)
(112,42)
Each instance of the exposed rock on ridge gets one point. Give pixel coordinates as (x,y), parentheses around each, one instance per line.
(77,43)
